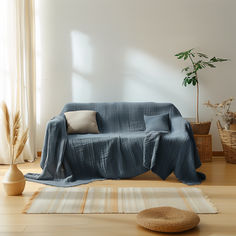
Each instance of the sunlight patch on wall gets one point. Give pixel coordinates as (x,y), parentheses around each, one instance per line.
(81,52)
(82,63)
(150,78)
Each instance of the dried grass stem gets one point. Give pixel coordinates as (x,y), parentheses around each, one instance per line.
(13,129)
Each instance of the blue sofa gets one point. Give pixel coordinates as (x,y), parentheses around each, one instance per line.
(122,149)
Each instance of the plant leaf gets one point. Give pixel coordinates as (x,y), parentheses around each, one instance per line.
(186,56)
(202,55)
(190,81)
(185,81)
(181,56)
(214,59)
(185,69)
(211,65)
(178,54)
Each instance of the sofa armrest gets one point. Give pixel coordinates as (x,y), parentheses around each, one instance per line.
(178,123)
(57,120)
(55,131)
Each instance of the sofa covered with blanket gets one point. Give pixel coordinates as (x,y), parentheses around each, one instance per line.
(123,148)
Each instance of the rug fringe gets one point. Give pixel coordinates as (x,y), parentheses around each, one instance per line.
(210,203)
(28,205)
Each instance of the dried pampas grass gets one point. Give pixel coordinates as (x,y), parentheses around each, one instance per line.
(16,128)
(22,142)
(223,110)
(6,120)
(15,137)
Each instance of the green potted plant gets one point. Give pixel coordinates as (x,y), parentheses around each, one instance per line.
(197,61)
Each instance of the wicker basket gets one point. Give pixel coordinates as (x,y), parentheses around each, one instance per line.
(201,128)
(232,127)
(204,147)
(228,140)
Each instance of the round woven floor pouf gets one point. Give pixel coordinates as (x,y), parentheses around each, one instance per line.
(167,219)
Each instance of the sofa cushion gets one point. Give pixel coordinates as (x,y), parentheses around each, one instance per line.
(157,123)
(83,122)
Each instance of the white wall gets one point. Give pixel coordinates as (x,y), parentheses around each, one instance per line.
(123,50)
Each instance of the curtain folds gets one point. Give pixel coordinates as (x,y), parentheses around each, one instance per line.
(17,70)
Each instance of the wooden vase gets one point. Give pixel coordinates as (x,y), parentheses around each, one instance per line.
(13,181)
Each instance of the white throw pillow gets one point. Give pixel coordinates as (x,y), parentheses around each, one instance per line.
(83,122)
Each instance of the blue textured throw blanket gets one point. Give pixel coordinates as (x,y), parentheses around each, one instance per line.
(122,149)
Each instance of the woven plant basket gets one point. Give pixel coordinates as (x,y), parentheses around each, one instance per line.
(228,140)
(204,147)
(201,128)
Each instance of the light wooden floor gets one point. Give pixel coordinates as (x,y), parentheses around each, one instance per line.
(220,186)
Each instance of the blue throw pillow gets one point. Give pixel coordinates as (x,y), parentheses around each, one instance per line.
(157,123)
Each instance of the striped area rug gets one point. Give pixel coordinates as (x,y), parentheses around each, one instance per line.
(91,200)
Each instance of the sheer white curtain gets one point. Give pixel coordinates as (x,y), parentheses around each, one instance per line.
(17,70)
